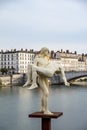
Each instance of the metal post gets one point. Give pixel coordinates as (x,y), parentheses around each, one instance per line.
(45,118)
(46,123)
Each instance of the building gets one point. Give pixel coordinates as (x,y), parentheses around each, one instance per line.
(16,61)
(72,61)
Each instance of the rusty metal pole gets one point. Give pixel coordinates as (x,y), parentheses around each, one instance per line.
(46,118)
(46,123)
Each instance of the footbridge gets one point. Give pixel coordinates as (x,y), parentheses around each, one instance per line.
(70,76)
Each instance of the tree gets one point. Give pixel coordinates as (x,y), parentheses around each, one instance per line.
(4,70)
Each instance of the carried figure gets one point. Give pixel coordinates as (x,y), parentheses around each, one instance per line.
(39,74)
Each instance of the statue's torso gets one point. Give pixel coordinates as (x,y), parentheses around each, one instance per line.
(42,62)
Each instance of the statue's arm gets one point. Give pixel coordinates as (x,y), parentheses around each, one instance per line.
(36,61)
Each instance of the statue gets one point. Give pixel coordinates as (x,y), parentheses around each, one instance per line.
(40,72)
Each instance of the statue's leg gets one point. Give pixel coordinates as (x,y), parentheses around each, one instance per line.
(42,109)
(29,75)
(44,99)
(45,94)
(45,71)
(34,79)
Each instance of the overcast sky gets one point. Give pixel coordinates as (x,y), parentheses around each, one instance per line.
(32,24)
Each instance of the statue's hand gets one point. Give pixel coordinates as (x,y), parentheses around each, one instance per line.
(67,84)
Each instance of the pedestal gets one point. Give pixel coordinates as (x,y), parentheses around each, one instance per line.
(46,118)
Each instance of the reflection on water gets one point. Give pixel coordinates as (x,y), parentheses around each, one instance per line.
(17,102)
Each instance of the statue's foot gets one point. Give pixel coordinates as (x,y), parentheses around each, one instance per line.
(34,85)
(26,84)
(48,112)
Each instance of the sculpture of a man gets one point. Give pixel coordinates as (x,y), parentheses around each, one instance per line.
(40,71)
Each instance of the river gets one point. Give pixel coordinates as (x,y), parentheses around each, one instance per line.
(17,103)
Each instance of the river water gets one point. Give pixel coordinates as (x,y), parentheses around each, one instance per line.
(17,103)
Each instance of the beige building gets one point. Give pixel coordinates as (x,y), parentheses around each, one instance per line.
(69,60)
(19,59)
(72,61)
(81,66)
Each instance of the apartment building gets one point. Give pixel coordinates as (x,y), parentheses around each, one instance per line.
(82,66)
(71,61)
(16,61)
(82,62)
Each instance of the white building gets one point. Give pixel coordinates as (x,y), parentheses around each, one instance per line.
(16,60)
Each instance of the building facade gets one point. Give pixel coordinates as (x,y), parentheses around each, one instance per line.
(18,60)
(71,61)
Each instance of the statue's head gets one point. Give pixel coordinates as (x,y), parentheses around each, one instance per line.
(44,51)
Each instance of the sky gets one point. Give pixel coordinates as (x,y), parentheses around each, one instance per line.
(32,24)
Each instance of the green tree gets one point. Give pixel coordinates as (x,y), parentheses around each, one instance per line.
(4,70)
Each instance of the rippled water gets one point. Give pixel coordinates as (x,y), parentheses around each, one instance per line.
(17,103)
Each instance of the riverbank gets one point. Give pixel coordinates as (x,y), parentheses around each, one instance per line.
(8,80)
(79,83)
